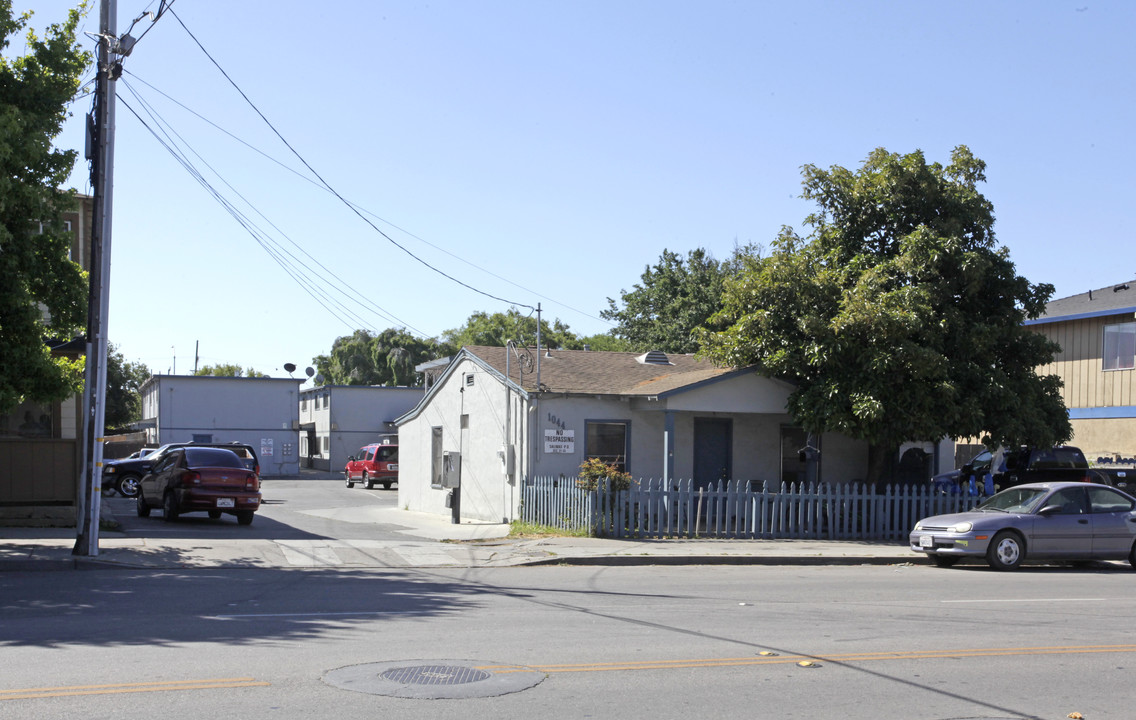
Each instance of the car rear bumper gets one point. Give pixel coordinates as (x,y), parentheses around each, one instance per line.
(220,499)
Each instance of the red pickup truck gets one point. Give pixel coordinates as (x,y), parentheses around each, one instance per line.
(375,464)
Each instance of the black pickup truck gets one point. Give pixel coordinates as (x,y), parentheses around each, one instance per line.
(1020,466)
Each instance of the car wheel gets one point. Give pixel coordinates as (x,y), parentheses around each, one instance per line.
(128,485)
(347,479)
(367,482)
(386,486)
(944,561)
(142,508)
(169,507)
(1132,556)
(244,517)
(1006,551)
(214,514)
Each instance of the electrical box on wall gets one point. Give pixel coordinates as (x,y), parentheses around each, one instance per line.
(508,456)
(451,469)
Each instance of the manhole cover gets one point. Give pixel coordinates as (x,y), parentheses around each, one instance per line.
(434,675)
(434,679)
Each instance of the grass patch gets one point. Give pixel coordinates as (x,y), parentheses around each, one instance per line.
(521,529)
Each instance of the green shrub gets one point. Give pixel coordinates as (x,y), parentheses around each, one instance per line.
(593,470)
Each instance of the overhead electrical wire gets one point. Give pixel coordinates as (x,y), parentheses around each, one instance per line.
(329,187)
(331,279)
(280,255)
(362,209)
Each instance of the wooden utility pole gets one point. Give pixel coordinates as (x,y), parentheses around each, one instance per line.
(100,128)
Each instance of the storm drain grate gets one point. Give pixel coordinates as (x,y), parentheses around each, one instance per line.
(434,675)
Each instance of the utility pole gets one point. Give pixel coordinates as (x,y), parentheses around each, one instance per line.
(101,154)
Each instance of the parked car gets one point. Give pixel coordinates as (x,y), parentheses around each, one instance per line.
(200,479)
(986,474)
(124,475)
(376,463)
(1037,521)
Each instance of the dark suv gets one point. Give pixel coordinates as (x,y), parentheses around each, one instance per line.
(124,475)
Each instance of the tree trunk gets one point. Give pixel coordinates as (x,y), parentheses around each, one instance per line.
(881,463)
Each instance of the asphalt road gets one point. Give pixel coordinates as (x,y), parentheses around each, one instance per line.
(911,642)
(291,510)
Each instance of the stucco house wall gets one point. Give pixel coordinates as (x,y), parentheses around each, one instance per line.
(262,412)
(480,414)
(337,420)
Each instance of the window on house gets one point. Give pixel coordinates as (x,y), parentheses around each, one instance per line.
(304,404)
(326,442)
(607,441)
(1120,346)
(436,457)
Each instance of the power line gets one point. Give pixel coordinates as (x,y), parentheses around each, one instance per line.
(362,209)
(328,185)
(331,278)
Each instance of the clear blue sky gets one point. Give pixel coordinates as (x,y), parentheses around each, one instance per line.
(546,152)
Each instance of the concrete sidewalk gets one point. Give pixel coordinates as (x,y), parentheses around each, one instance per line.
(431,541)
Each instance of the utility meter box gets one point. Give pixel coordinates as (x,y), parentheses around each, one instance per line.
(451,469)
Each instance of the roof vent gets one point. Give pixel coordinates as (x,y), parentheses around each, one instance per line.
(654,357)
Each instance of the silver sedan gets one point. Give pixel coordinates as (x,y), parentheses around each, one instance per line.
(1039,521)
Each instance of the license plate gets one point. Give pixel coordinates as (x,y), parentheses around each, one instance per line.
(393,466)
(225,502)
(926,541)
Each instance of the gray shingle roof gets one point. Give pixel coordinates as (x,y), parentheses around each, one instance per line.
(602,373)
(1109,300)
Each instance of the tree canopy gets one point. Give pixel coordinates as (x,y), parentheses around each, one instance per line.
(388,358)
(43,292)
(897,317)
(497,329)
(228,370)
(123,389)
(675,298)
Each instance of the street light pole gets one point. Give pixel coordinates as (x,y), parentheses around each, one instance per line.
(88,506)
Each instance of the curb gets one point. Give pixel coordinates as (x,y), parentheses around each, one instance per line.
(640,560)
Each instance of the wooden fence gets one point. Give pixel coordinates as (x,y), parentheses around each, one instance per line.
(735,509)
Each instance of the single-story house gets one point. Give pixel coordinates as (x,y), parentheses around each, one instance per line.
(498,416)
(259,411)
(337,420)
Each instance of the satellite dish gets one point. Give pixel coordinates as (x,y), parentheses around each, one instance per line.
(309,371)
(319,379)
(290,368)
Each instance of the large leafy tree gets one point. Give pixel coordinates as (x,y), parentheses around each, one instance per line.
(898,317)
(673,300)
(229,370)
(388,358)
(42,292)
(497,329)
(123,389)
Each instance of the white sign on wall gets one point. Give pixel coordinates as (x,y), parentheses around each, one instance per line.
(560,441)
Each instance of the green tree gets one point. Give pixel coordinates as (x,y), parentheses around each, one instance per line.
(228,370)
(123,389)
(606,342)
(497,329)
(897,317)
(674,299)
(43,293)
(387,359)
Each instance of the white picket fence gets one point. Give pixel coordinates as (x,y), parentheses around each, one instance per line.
(735,509)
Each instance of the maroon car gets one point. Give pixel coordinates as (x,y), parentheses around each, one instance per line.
(200,479)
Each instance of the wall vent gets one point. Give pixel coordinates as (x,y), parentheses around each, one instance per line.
(654,357)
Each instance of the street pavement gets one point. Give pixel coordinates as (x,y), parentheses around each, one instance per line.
(430,541)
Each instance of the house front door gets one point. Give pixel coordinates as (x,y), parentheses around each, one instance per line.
(712,442)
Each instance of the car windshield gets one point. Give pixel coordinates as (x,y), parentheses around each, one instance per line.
(981,461)
(1014,500)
